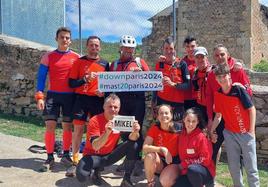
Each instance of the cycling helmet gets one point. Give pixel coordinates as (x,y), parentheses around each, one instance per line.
(128,41)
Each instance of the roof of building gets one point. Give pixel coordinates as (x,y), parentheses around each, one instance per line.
(166,12)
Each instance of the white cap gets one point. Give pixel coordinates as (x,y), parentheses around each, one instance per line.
(200,51)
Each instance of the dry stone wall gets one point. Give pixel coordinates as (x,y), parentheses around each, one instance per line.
(19,61)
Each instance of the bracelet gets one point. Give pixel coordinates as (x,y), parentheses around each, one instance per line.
(39,95)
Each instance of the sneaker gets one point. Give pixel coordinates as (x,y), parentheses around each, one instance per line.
(71,171)
(138,170)
(48,165)
(126,183)
(121,167)
(96,178)
(66,161)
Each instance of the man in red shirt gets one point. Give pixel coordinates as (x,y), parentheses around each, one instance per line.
(233,103)
(102,148)
(238,76)
(132,103)
(176,80)
(89,101)
(189,45)
(60,96)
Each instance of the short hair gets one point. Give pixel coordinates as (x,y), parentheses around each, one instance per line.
(220,46)
(189,39)
(93,37)
(221,69)
(169,40)
(196,111)
(65,29)
(112,96)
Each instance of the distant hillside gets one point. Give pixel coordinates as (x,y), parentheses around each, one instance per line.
(109,50)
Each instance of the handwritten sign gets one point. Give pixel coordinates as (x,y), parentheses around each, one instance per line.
(123,123)
(129,81)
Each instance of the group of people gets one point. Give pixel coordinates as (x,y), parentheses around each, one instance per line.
(200,106)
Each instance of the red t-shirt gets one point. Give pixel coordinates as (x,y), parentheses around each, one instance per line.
(84,66)
(59,65)
(233,107)
(190,94)
(213,86)
(178,74)
(195,148)
(95,128)
(164,138)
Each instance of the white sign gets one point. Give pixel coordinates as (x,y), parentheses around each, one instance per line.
(123,123)
(129,81)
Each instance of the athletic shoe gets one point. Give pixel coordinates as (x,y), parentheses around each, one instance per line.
(121,167)
(96,178)
(71,171)
(48,165)
(66,161)
(126,183)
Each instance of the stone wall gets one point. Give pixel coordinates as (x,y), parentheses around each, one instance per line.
(19,61)
(240,25)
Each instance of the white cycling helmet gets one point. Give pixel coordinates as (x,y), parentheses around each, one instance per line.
(128,41)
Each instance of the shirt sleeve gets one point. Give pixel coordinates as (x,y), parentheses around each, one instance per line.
(244,97)
(245,81)
(144,65)
(93,129)
(42,73)
(185,77)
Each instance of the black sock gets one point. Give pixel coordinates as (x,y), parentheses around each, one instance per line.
(66,153)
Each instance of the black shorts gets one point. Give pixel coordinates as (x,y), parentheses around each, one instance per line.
(59,103)
(87,105)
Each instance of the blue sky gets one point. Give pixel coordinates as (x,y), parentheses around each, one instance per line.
(110,19)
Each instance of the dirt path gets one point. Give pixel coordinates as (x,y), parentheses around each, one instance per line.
(19,168)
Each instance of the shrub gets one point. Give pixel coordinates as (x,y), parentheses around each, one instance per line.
(262,66)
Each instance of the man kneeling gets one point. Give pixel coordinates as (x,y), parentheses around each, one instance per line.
(102,148)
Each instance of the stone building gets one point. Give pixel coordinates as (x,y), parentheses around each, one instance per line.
(240,25)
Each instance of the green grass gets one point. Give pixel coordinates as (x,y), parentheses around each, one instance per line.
(224,177)
(262,66)
(33,128)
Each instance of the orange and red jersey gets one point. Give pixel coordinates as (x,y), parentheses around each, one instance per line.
(190,94)
(195,148)
(234,109)
(179,74)
(83,66)
(164,138)
(58,65)
(126,66)
(199,81)
(239,76)
(95,128)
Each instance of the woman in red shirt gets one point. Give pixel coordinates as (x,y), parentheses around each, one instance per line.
(195,152)
(160,147)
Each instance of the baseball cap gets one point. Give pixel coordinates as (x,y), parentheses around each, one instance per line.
(200,51)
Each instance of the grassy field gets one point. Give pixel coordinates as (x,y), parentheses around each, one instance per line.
(33,128)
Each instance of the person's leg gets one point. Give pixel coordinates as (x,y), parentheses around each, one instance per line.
(217,145)
(77,138)
(248,144)
(85,166)
(233,151)
(198,175)
(50,141)
(169,175)
(182,181)
(152,165)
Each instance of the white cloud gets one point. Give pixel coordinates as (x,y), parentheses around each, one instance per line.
(264,2)
(114,18)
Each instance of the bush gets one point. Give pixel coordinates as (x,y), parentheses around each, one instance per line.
(262,66)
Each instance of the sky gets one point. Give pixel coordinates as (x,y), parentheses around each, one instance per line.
(110,19)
